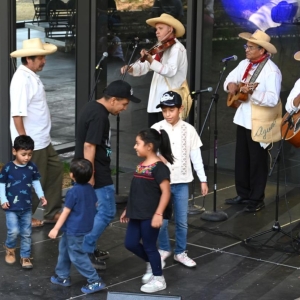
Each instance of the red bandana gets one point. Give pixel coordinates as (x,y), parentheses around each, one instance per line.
(251,65)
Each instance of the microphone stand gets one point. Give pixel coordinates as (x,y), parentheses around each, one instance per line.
(276,226)
(95,83)
(194,209)
(214,215)
(122,198)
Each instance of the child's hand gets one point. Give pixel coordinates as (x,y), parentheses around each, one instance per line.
(204,188)
(44,201)
(157,221)
(123,218)
(53,233)
(5,205)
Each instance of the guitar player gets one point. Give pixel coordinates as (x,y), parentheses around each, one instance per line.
(251,158)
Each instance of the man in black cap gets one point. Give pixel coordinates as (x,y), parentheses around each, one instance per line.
(93,143)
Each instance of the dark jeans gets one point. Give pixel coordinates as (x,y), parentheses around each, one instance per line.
(142,230)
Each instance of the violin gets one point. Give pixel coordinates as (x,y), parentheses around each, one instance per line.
(159,47)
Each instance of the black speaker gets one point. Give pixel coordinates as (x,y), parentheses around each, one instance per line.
(134,296)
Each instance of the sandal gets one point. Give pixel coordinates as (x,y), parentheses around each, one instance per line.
(36,223)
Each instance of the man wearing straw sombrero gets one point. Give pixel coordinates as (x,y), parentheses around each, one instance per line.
(169,66)
(251,157)
(30,115)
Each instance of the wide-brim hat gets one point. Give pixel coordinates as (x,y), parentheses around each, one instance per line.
(169,20)
(34,47)
(297,55)
(259,38)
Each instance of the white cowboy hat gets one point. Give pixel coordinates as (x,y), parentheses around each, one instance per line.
(34,47)
(297,55)
(168,20)
(259,38)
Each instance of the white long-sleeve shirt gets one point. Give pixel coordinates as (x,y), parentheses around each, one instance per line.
(185,145)
(173,66)
(266,93)
(289,106)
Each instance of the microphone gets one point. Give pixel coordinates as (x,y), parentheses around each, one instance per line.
(209,89)
(104,55)
(233,57)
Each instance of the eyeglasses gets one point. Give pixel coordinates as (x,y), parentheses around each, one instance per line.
(251,47)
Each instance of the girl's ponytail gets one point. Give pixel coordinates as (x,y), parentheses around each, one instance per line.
(165,147)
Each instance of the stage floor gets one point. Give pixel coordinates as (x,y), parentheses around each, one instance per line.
(227,268)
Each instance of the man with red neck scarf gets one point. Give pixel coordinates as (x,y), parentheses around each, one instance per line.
(251,158)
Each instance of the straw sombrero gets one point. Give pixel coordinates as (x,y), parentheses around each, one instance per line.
(169,20)
(259,38)
(297,55)
(34,47)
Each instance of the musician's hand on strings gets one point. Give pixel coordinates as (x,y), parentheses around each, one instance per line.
(296,101)
(126,68)
(232,88)
(146,56)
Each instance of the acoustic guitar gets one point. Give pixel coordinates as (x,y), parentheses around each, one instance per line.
(293,134)
(234,101)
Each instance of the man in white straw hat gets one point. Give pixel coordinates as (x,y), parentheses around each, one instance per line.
(293,100)
(30,115)
(251,158)
(169,66)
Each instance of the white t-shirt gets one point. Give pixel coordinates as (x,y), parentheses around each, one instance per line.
(184,139)
(28,100)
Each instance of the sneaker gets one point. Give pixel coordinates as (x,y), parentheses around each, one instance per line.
(10,256)
(93,287)
(101,254)
(184,259)
(164,255)
(60,281)
(148,275)
(157,283)
(26,263)
(97,264)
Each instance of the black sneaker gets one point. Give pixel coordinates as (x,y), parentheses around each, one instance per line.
(97,264)
(255,206)
(101,254)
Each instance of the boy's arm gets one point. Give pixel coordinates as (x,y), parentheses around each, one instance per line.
(60,222)
(197,161)
(39,191)
(4,201)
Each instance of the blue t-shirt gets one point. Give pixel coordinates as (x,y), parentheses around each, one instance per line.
(18,183)
(81,199)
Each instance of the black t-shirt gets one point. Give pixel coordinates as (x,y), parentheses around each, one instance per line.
(145,191)
(93,127)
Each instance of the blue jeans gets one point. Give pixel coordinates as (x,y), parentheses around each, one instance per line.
(180,198)
(19,223)
(138,230)
(70,251)
(106,210)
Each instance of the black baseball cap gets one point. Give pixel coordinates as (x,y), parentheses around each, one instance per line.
(170,99)
(121,89)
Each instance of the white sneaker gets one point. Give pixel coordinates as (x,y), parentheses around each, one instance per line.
(148,275)
(157,283)
(164,255)
(184,259)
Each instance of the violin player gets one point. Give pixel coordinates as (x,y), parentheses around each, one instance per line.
(251,157)
(171,63)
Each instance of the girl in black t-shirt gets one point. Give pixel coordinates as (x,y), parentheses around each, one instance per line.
(149,196)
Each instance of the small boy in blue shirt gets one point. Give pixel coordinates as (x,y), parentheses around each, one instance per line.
(76,220)
(16,180)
